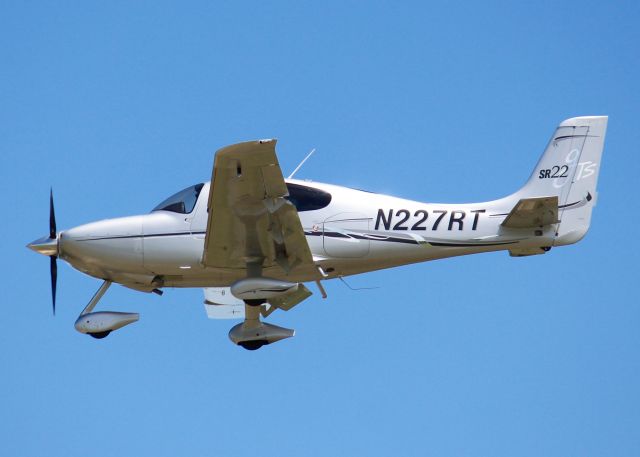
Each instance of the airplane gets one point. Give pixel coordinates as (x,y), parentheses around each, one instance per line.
(252,239)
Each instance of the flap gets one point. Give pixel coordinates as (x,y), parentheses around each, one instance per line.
(288,301)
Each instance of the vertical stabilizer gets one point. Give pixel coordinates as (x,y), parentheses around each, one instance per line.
(569,170)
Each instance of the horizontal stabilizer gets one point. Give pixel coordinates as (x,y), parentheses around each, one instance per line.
(525,252)
(533,212)
(215,311)
(220,304)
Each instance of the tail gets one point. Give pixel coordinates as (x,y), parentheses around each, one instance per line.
(569,170)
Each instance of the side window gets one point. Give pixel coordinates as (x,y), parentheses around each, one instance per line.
(307,198)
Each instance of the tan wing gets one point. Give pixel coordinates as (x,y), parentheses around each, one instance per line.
(249,219)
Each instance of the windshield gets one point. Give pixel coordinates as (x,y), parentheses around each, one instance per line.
(182,202)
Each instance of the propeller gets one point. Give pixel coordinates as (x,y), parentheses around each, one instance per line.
(48,246)
(54,258)
(52,216)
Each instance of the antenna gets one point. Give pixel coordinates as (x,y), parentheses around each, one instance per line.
(301,163)
(356,288)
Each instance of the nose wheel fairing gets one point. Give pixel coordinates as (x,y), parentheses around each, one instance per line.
(100,324)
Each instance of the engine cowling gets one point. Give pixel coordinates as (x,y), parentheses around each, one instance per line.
(101,323)
(261,288)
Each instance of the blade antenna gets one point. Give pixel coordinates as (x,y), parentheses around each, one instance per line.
(301,163)
(356,288)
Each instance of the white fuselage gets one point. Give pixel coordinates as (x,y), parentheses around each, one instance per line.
(356,232)
(250,238)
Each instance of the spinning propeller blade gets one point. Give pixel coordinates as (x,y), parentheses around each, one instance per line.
(54,280)
(52,216)
(53,262)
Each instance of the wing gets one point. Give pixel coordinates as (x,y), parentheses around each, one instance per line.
(250,221)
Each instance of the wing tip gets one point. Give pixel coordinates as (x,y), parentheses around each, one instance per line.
(583,121)
(246,146)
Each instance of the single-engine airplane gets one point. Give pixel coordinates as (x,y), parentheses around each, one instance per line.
(252,239)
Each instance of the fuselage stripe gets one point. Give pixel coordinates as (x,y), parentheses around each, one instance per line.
(363,236)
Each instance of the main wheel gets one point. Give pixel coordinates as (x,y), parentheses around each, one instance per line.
(253,345)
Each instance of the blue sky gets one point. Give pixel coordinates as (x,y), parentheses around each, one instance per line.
(119,104)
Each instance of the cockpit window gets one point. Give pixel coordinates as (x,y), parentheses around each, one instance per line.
(307,198)
(183,202)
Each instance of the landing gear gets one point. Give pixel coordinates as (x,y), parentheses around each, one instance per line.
(255,290)
(253,345)
(100,324)
(252,334)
